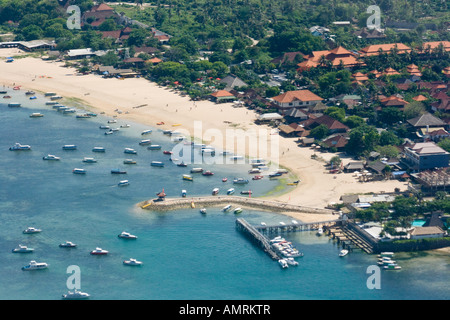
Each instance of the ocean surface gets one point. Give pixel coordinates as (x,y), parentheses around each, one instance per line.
(186,255)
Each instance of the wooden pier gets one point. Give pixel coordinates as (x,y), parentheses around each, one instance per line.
(210,201)
(295,226)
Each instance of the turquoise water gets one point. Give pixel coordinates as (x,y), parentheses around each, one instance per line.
(418,223)
(186,255)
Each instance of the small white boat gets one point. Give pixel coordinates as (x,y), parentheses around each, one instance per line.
(112,121)
(291,261)
(215,191)
(89,160)
(79,171)
(69,147)
(157,164)
(237,210)
(75,295)
(146,132)
(123,183)
(230,191)
(386,254)
(127,235)
(196,170)
(33,265)
(240,181)
(343,253)
(226,208)
(145,142)
(31,230)
(132,262)
(154,147)
(51,157)
(203,211)
(129,161)
(392,266)
(319,232)
(22,249)
(99,252)
(283,263)
(67,244)
(36,115)
(125,125)
(187,177)
(20,147)
(183,193)
(129,151)
(98,149)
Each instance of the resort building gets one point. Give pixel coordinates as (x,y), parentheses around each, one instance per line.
(425,155)
(222,96)
(336,58)
(376,49)
(298,98)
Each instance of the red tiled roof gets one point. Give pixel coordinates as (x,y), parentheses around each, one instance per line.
(435,44)
(102,7)
(393,101)
(336,142)
(373,50)
(302,95)
(222,93)
(420,98)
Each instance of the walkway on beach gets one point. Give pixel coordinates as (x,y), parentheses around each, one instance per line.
(209,201)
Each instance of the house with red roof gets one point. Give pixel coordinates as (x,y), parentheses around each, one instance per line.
(338,57)
(98,14)
(297,98)
(376,49)
(333,125)
(222,96)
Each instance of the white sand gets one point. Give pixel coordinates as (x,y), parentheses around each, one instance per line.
(317,187)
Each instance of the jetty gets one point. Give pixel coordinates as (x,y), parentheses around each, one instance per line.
(211,201)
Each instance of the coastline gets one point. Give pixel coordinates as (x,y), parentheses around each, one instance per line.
(144,102)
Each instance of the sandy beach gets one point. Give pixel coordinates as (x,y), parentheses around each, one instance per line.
(142,101)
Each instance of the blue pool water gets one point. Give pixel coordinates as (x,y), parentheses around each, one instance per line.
(186,255)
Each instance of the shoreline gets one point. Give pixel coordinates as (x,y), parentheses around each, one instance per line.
(157,104)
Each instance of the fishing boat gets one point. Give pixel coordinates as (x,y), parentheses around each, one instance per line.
(123,183)
(33,265)
(69,147)
(224,179)
(240,181)
(31,230)
(127,235)
(20,147)
(98,149)
(196,170)
(132,262)
(203,211)
(83,116)
(129,151)
(343,253)
(49,94)
(237,210)
(55,98)
(161,195)
(154,147)
(112,121)
(69,110)
(146,132)
(51,103)
(89,160)
(392,266)
(230,191)
(118,171)
(187,177)
(167,152)
(129,161)
(215,191)
(235,158)
(67,244)
(6,97)
(274,174)
(167,132)
(75,295)
(157,164)
(36,115)
(29,93)
(257,177)
(99,252)
(386,254)
(109,132)
(181,164)
(183,193)
(207,173)
(14,105)
(254,170)
(226,208)
(246,192)
(145,142)
(22,249)
(3,92)
(79,171)
(125,125)
(104,127)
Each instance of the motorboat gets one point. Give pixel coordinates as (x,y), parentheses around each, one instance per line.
(203,211)
(67,244)
(129,151)
(319,231)
(132,262)
(109,132)
(207,173)
(105,127)
(181,164)
(254,170)
(75,295)
(30,93)
(31,230)
(123,183)
(99,251)
(237,210)
(50,94)
(258,177)
(291,261)
(22,249)
(14,105)
(154,147)
(343,253)
(187,177)
(196,170)
(224,179)
(79,171)
(230,191)
(20,147)
(240,181)
(392,266)
(226,208)
(386,254)
(146,132)
(127,235)
(33,265)
(167,152)
(235,158)
(283,263)
(129,161)
(183,193)
(98,149)
(89,160)
(69,147)
(118,171)
(55,98)
(249,192)
(112,121)
(125,125)
(145,142)
(51,103)
(83,116)
(6,97)
(275,174)
(51,157)
(157,164)
(215,191)
(36,115)
(69,110)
